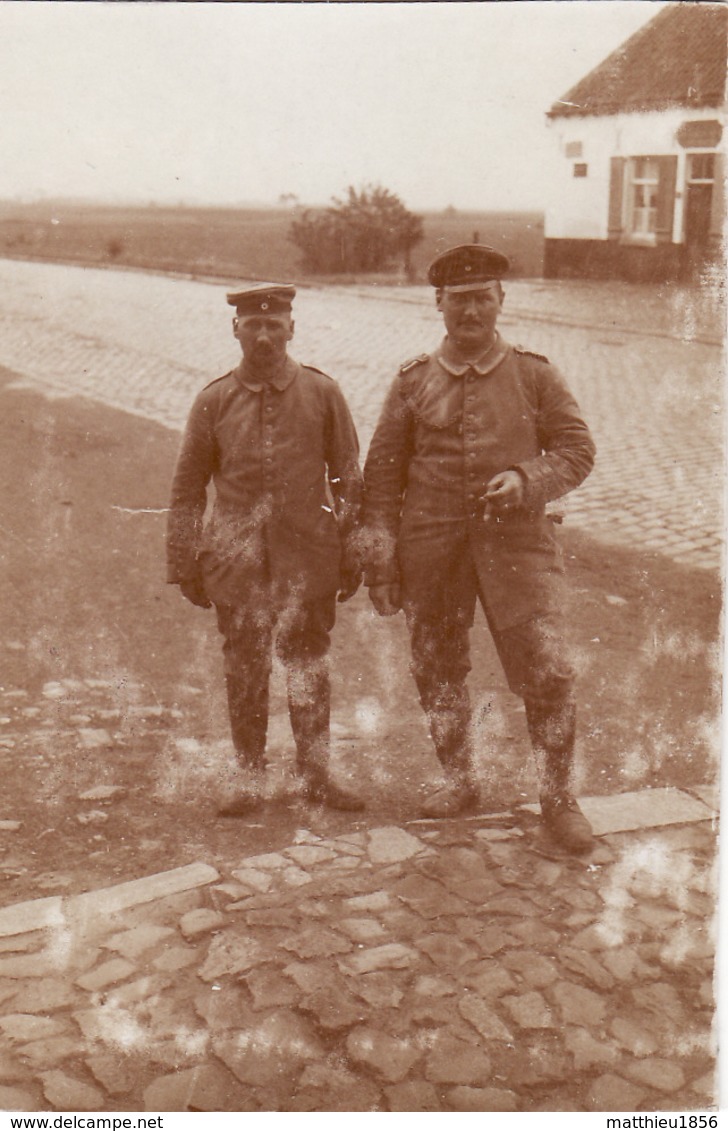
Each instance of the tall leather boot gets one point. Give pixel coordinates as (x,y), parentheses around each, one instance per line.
(449,715)
(552,729)
(248,710)
(309,707)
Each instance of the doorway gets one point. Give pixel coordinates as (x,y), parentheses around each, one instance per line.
(698,206)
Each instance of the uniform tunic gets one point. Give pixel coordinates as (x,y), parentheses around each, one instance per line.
(283,457)
(447,427)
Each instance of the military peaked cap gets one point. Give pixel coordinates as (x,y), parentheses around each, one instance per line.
(467,266)
(263,298)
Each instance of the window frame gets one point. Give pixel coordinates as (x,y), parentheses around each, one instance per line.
(621,200)
(690,179)
(646,233)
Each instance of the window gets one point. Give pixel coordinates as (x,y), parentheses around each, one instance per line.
(580,170)
(701,168)
(642,198)
(644,187)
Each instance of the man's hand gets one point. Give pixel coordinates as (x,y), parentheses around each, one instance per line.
(350,582)
(194,590)
(504,492)
(385,598)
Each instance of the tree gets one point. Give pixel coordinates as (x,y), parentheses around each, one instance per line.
(368,231)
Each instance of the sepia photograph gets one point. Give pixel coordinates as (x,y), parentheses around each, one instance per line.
(362,452)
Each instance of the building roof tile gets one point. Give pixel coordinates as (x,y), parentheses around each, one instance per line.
(677,59)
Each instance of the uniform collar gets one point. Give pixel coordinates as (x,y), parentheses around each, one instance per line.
(280,381)
(451,360)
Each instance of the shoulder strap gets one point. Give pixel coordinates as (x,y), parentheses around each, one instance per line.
(217,379)
(413,363)
(529,353)
(316,369)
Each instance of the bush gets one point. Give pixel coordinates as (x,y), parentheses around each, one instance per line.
(371,231)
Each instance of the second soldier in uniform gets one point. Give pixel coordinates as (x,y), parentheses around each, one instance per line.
(472,441)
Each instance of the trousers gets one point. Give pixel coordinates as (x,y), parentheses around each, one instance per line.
(300,634)
(533,655)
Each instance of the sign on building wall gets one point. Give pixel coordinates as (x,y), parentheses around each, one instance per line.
(702,134)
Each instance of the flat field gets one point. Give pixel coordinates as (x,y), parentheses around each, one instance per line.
(242,243)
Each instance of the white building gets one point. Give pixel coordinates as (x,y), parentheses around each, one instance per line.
(640,191)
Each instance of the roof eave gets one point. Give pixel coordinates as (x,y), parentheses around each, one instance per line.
(610,110)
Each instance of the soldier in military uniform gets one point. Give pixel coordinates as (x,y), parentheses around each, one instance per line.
(277,440)
(472,441)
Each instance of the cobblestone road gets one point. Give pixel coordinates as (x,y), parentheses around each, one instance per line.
(146,344)
(464,965)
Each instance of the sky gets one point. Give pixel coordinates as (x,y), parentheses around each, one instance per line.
(238,103)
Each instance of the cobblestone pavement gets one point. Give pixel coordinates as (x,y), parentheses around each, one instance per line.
(463,965)
(650,385)
(443,966)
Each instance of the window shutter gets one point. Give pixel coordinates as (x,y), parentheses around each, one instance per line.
(665,198)
(616,194)
(717,204)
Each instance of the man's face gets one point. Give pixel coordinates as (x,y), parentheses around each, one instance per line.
(263,339)
(470,316)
